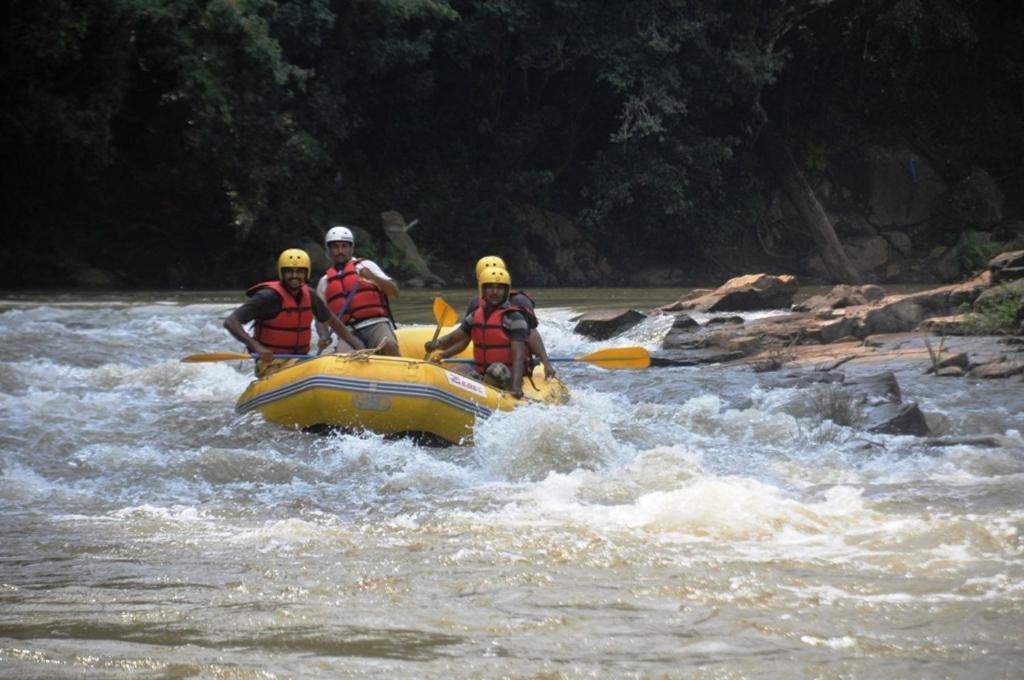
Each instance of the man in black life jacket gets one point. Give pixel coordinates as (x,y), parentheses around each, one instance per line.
(358,291)
(283,312)
(498,329)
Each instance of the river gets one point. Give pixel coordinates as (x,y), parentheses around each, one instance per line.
(667,523)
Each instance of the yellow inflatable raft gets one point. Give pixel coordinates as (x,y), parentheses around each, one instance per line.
(411,339)
(390,395)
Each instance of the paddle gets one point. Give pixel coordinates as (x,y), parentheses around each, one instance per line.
(444,315)
(615,357)
(235,356)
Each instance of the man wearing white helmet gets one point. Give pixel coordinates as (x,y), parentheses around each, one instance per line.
(357,290)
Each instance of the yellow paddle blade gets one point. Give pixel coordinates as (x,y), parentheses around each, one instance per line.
(215,356)
(444,313)
(618,357)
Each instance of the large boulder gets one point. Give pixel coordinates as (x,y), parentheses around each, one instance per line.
(869,255)
(900,187)
(898,419)
(976,202)
(743,293)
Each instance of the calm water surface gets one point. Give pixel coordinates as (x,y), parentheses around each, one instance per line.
(668,523)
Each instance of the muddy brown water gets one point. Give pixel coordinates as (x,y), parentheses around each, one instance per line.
(682,522)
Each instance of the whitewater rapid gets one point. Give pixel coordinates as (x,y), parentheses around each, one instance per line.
(679,522)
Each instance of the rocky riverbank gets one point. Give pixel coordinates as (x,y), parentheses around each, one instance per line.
(854,339)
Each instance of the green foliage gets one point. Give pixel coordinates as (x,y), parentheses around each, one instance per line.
(995,315)
(206,134)
(972,252)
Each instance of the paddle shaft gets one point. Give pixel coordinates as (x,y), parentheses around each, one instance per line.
(470,361)
(613,358)
(437,332)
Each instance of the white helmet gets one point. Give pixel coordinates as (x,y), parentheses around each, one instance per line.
(338,234)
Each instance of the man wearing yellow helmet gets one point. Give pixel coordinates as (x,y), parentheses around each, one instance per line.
(282,312)
(517,298)
(498,329)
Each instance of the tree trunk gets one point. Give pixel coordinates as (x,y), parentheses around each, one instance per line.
(773,148)
(396,230)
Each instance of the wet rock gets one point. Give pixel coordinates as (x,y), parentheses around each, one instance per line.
(667,362)
(808,379)
(898,419)
(601,325)
(998,369)
(683,340)
(890,328)
(718,320)
(684,322)
(880,388)
(950,372)
(704,355)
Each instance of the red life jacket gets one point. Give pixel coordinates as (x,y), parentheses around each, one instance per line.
(527,310)
(491,343)
(367,303)
(288,332)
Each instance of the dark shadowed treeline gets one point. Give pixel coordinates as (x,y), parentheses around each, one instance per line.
(185,142)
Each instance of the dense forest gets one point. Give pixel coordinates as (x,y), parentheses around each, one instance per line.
(183,143)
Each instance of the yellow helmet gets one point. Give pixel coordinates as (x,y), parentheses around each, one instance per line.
(489,261)
(482,265)
(494,275)
(293,257)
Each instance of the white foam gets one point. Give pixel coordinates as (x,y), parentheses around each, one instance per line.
(845,642)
